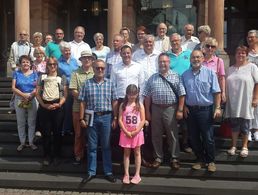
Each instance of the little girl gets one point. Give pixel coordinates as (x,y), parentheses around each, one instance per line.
(131,121)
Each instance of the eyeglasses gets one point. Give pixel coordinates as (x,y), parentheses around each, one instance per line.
(208,46)
(51,64)
(100,68)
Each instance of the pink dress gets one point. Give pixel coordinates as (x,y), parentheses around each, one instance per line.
(131,119)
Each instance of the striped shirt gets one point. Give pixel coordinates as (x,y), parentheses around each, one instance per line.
(112,59)
(98,96)
(160,91)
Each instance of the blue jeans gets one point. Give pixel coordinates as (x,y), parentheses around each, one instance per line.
(68,117)
(100,131)
(199,122)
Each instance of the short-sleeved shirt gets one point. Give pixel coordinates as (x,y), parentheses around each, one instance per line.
(78,78)
(240,82)
(216,64)
(179,63)
(160,91)
(101,54)
(112,59)
(200,87)
(66,68)
(53,50)
(52,87)
(98,96)
(25,84)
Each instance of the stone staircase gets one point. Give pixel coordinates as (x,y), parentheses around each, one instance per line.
(234,175)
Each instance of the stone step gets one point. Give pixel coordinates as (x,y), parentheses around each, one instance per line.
(4,103)
(6,91)
(4,110)
(6,84)
(5,79)
(148,185)
(224,171)
(8,126)
(5,96)
(7,117)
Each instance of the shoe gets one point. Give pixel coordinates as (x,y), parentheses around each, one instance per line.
(250,136)
(87,178)
(126,179)
(77,161)
(211,167)
(145,163)
(256,136)
(136,179)
(33,147)
(174,165)
(56,161)
(232,151)
(197,166)
(110,178)
(187,148)
(155,164)
(46,162)
(20,147)
(244,152)
(38,134)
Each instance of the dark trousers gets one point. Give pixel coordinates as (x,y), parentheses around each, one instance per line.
(51,124)
(199,122)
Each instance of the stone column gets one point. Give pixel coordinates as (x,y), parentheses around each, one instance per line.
(216,22)
(114,18)
(22,16)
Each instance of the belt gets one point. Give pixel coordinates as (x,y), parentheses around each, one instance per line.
(164,105)
(200,107)
(102,113)
(51,102)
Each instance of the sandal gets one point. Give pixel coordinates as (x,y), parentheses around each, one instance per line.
(126,179)
(20,147)
(244,152)
(232,151)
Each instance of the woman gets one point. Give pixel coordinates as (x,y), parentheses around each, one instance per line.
(242,97)
(100,50)
(51,93)
(215,63)
(141,31)
(203,33)
(39,64)
(24,88)
(125,32)
(37,42)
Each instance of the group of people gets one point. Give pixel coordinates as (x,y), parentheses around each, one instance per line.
(158,84)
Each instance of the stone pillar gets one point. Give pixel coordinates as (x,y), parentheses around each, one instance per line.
(216,22)
(114,18)
(22,16)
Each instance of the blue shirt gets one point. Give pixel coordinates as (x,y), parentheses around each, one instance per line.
(160,91)
(25,84)
(53,50)
(200,86)
(98,96)
(67,69)
(180,63)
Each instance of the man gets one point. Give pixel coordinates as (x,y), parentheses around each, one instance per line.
(78,45)
(52,48)
(78,77)
(188,41)
(180,62)
(66,65)
(98,95)
(252,40)
(162,43)
(19,48)
(164,95)
(114,56)
(148,59)
(202,97)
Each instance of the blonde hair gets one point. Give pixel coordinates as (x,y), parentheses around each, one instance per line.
(37,34)
(211,41)
(205,28)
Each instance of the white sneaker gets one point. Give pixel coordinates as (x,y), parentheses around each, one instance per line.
(256,136)
(232,151)
(250,136)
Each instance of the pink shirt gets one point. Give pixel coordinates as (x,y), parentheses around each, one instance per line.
(216,64)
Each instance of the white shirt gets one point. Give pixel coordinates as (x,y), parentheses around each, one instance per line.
(162,45)
(149,62)
(124,75)
(190,43)
(77,48)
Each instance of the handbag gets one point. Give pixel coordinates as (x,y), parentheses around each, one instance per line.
(171,85)
(225,129)
(11,103)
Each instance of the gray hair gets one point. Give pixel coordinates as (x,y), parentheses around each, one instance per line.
(253,32)
(64,45)
(149,36)
(205,28)
(176,35)
(96,35)
(37,34)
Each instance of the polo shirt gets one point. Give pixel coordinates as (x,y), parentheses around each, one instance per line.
(179,63)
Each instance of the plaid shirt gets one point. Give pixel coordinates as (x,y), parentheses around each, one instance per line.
(161,92)
(112,59)
(98,96)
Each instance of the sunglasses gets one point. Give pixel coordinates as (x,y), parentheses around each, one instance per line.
(208,46)
(100,68)
(51,64)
